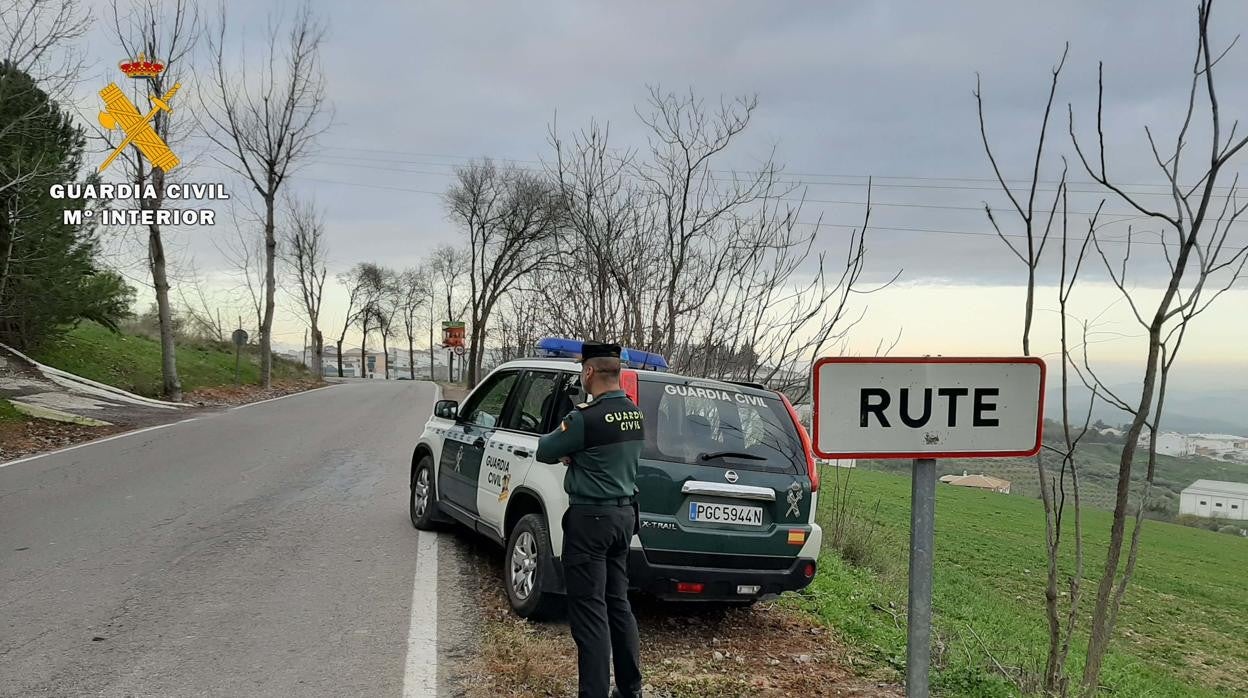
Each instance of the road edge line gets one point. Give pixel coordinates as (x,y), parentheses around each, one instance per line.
(283,397)
(420,675)
(94,442)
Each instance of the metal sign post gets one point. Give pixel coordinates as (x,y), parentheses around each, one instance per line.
(919,604)
(926,408)
(240,338)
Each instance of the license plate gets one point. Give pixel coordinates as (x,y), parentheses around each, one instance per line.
(725,514)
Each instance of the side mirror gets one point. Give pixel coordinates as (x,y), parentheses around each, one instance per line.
(446,409)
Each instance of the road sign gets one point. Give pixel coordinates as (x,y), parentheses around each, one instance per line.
(930,407)
(239,337)
(926,408)
(459,350)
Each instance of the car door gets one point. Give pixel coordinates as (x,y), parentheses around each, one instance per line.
(464,447)
(510,450)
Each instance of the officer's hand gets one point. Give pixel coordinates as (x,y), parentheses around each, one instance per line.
(566,460)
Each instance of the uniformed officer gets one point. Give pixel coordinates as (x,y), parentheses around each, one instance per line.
(601,442)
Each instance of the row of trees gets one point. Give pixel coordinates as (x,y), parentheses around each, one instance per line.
(669,251)
(263,117)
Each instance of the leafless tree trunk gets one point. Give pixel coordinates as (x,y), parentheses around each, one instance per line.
(1202,265)
(508,215)
(356,285)
(447,265)
(168,32)
(268,122)
(414,294)
(306,252)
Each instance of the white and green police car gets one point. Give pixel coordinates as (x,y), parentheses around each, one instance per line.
(727,481)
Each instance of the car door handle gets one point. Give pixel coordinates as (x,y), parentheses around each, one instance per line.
(521,453)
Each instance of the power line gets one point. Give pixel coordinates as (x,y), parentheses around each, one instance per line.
(817,224)
(978,209)
(859,178)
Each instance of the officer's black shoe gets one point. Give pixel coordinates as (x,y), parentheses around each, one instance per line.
(615,693)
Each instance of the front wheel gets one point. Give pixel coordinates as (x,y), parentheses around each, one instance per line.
(423,504)
(528,562)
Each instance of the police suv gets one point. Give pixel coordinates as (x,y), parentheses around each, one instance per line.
(727,481)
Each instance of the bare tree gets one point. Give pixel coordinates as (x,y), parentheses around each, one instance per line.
(446,265)
(372,285)
(168,32)
(245,254)
(203,308)
(386,310)
(1036,227)
(509,215)
(1202,263)
(414,295)
(268,121)
(355,282)
(306,251)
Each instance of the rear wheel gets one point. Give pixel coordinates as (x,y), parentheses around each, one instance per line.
(423,504)
(528,562)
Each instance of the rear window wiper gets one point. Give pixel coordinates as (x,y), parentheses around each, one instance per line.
(729,454)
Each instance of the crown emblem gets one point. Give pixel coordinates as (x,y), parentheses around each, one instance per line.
(141,67)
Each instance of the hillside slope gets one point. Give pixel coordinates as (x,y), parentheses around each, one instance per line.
(132,362)
(1180,632)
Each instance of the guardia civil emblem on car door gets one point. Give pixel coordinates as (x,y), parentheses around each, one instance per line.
(795,498)
(459,458)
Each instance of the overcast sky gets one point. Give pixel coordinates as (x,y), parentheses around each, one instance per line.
(846,91)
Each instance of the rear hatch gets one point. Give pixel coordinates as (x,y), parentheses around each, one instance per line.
(723,479)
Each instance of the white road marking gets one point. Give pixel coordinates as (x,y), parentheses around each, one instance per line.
(95,442)
(282,397)
(420,679)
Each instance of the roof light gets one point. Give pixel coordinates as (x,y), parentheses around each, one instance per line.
(564,348)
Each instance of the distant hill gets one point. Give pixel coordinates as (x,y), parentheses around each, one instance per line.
(1098,474)
(1189,412)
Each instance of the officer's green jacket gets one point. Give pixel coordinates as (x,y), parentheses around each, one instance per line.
(604,439)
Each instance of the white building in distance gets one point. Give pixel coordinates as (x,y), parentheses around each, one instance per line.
(1215,499)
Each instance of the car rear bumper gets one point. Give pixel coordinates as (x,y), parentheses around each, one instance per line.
(719,583)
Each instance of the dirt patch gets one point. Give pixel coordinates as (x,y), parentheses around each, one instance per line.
(765,651)
(230,395)
(31,436)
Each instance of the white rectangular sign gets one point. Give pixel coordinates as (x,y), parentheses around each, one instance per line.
(930,407)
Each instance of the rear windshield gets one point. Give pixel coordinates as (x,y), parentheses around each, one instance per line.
(694,425)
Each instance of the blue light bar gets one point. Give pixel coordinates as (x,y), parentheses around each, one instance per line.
(648,360)
(563,348)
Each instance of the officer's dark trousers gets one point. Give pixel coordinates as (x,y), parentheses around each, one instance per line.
(595,563)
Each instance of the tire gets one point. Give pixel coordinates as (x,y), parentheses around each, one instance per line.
(526,567)
(423,498)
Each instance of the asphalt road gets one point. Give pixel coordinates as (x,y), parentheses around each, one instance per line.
(259,551)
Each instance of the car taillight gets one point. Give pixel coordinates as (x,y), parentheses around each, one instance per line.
(691,587)
(809,570)
(812,470)
(628,381)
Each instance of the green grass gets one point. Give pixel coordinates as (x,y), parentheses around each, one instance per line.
(1181,631)
(1098,473)
(9,413)
(132,362)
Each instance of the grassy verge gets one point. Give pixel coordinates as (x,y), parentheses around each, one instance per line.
(1180,632)
(132,362)
(9,413)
